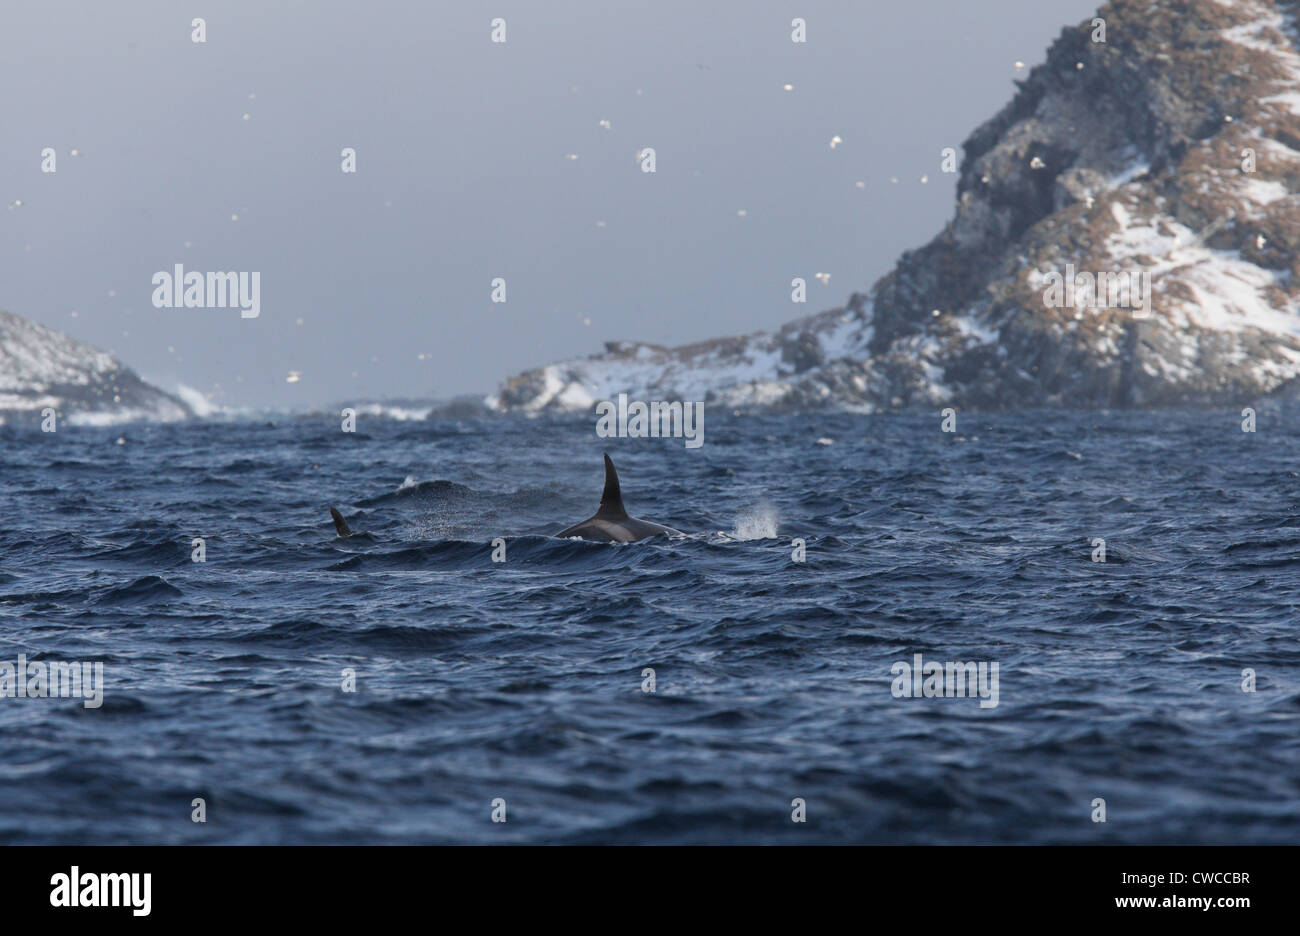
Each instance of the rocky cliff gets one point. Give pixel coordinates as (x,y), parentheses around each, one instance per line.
(41,367)
(1171,148)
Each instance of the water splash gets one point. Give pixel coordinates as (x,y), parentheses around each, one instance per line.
(757,522)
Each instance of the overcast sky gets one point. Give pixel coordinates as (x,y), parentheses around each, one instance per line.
(462,173)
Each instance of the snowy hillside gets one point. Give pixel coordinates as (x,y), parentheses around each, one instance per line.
(1171,148)
(41,367)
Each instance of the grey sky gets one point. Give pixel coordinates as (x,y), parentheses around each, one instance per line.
(462,174)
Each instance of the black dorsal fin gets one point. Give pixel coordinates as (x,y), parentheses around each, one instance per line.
(340,525)
(611,501)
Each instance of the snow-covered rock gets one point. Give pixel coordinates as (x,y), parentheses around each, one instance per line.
(1172,148)
(41,367)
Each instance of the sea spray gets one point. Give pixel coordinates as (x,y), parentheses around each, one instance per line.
(757,522)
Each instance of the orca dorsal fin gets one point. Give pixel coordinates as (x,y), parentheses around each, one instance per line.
(611,500)
(340,525)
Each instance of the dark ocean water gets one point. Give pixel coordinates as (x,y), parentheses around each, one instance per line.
(523,680)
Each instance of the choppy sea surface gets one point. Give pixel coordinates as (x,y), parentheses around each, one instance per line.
(522,681)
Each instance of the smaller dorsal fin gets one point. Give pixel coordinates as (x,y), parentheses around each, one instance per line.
(340,525)
(611,501)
